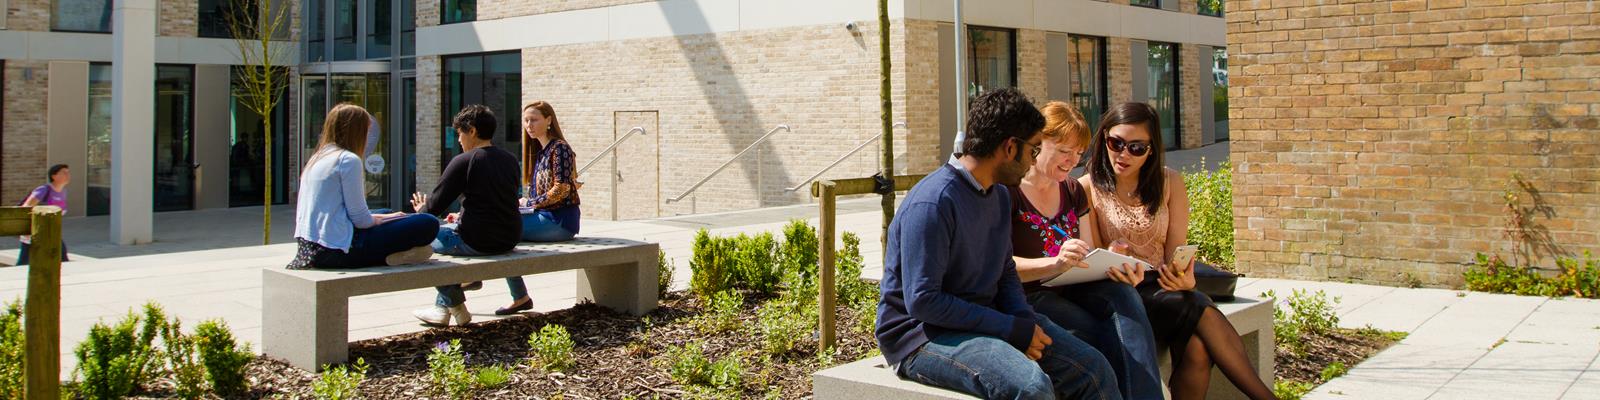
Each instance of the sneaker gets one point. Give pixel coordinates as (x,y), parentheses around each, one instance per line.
(414,255)
(440,316)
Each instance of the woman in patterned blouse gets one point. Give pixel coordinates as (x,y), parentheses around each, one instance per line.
(1051,233)
(550,206)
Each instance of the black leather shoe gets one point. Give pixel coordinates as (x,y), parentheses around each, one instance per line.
(525,306)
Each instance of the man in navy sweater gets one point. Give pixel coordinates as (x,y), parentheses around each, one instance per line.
(953,314)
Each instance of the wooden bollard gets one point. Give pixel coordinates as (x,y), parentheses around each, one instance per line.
(42,316)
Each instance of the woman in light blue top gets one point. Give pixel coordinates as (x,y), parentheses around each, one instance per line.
(332,224)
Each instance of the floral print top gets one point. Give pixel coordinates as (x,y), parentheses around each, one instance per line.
(1035,235)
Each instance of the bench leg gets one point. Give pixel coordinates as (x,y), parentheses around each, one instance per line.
(629,287)
(301,327)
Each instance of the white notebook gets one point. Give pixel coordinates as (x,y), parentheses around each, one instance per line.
(1100,261)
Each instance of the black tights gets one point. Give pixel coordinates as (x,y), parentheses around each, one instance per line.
(1214,342)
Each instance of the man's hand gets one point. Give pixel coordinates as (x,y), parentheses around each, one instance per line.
(418,201)
(1036,348)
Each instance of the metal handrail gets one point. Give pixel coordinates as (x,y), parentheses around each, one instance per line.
(725,165)
(613,146)
(841,159)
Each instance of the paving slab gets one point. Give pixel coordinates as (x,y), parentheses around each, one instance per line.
(1538,357)
(1407,355)
(1465,323)
(1401,384)
(1499,384)
(1587,387)
(1401,310)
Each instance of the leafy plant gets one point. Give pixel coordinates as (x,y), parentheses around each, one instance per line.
(183,361)
(688,365)
(447,369)
(709,265)
(1291,390)
(784,322)
(552,348)
(493,376)
(725,373)
(664,279)
(341,382)
(1211,213)
(113,360)
(11,351)
(1575,278)
(1334,370)
(852,290)
(722,315)
(1303,313)
(755,263)
(223,357)
(799,251)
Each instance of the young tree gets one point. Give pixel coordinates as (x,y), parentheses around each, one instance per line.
(888,115)
(259,28)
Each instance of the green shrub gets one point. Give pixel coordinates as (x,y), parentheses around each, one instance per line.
(1576,278)
(722,313)
(852,290)
(755,263)
(784,323)
(493,376)
(1291,390)
(709,265)
(1211,213)
(447,369)
(1334,370)
(11,351)
(552,348)
(664,279)
(341,382)
(113,360)
(1303,313)
(799,251)
(688,365)
(224,358)
(183,361)
(725,373)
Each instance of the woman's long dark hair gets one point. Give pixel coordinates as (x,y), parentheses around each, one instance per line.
(1152,174)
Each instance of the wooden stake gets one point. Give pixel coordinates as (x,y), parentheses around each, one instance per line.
(42,317)
(825,290)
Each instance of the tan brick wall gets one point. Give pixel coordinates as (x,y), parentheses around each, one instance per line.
(25,128)
(717,93)
(1032,79)
(28,15)
(1373,141)
(918,102)
(429,83)
(1188,6)
(179,18)
(1119,71)
(427,13)
(1190,111)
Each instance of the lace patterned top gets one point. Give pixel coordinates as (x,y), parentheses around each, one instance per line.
(1120,219)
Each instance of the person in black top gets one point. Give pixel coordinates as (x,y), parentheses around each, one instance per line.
(488,223)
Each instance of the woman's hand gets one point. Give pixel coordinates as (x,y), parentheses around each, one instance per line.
(1127,273)
(1071,255)
(1119,246)
(1174,277)
(418,201)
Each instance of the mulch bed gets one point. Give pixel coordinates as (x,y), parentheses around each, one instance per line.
(1348,346)
(614,356)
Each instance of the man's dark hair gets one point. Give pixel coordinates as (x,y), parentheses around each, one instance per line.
(997,116)
(51,176)
(477,117)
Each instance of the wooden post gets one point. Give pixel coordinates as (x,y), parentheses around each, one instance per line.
(825,289)
(42,317)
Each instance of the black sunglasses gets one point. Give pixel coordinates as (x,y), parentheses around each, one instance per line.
(1034,152)
(1136,149)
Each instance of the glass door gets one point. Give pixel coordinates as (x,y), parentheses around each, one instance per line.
(370,91)
(174,138)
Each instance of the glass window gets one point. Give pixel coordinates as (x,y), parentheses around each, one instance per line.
(313,109)
(214,17)
(174,146)
(379,29)
(1212,7)
(1163,65)
(408,134)
(81,16)
(1087,67)
(408,28)
(316,24)
(1146,3)
(246,157)
(344,30)
(494,81)
(98,176)
(1219,90)
(458,11)
(993,57)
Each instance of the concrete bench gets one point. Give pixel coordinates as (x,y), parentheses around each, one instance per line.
(871,378)
(305,313)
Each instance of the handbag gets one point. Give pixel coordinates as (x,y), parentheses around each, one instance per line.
(1215,283)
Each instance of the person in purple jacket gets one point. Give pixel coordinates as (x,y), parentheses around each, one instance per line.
(53,193)
(953,313)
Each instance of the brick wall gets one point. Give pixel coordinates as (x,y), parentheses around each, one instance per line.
(1190,111)
(178,18)
(1119,70)
(1373,141)
(715,94)
(25,128)
(1032,79)
(427,13)
(28,15)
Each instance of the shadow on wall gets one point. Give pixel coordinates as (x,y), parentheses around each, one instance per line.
(720,86)
(1530,240)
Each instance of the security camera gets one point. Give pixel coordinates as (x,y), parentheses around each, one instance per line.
(851,26)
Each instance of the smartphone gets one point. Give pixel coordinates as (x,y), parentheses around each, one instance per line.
(1184,254)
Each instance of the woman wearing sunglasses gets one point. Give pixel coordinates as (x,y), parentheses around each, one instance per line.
(1142,211)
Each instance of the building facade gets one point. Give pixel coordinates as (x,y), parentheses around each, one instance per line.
(1379,141)
(702,80)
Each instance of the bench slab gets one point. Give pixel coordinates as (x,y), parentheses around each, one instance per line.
(872,379)
(305,313)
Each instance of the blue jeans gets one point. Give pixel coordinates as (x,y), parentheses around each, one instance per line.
(369,247)
(22,258)
(1109,316)
(449,242)
(543,226)
(990,368)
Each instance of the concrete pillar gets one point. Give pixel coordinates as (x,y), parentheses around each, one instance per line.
(213,135)
(68,141)
(132,125)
